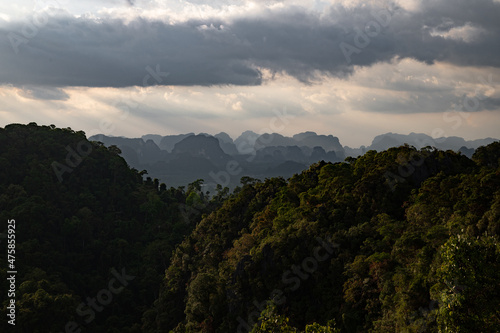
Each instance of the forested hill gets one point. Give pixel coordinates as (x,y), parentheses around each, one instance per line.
(402,240)
(83,217)
(397,241)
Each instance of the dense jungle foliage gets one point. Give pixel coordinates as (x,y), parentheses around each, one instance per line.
(403,240)
(71,234)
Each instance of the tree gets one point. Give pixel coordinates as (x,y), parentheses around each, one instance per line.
(468,290)
(271,322)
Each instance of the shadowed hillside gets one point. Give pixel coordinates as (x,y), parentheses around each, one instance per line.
(402,240)
(83,217)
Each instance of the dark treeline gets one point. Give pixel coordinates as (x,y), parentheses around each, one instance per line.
(403,240)
(71,234)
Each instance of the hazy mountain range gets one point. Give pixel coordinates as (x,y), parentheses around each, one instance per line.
(218,159)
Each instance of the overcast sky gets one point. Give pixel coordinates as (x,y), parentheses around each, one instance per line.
(354,69)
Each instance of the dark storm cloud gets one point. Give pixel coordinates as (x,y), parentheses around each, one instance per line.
(83,52)
(413,38)
(488,103)
(78,52)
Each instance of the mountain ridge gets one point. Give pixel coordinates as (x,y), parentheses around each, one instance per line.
(250,154)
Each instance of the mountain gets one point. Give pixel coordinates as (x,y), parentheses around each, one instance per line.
(469,152)
(419,140)
(245,142)
(169,141)
(303,135)
(404,240)
(226,143)
(155,137)
(273,140)
(93,238)
(184,158)
(224,137)
(306,139)
(202,146)
(303,155)
(327,142)
(135,151)
(286,169)
(281,154)
(355,152)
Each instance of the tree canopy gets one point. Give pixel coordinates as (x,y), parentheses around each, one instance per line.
(403,240)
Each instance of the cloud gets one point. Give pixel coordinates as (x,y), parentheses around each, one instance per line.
(83,52)
(466,33)
(43,93)
(297,41)
(402,96)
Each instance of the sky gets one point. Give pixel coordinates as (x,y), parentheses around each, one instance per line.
(351,68)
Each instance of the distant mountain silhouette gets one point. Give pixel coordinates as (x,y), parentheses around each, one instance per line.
(224,137)
(202,146)
(355,152)
(303,155)
(168,142)
(181,159)
(420,140)
(245,142)
(135,151)
(303,135)
(273,140)
(327,142)
(467,151)
(307,139)
(226,143)
(286,169)
(155,137)
(281,154)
